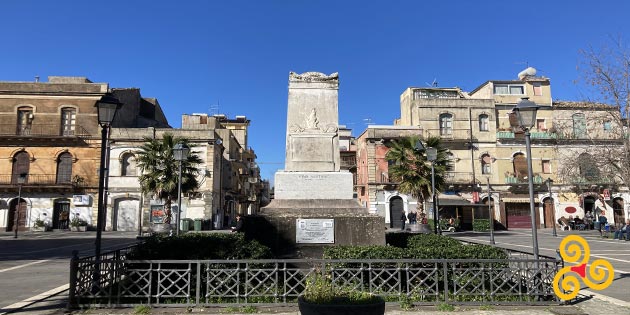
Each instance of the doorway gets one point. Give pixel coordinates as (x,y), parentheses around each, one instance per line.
(549,215)
(396,210)
(125,214)
(61,214)
(21,213)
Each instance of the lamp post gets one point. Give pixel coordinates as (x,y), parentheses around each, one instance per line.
(490,214)
(180,153)
(432,156)
(21,179)
(525,112)
(107,107)
(549,181)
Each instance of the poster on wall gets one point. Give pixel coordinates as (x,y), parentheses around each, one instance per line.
(157,214)
(81,200)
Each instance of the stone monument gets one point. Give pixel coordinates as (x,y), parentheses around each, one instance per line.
(314,204)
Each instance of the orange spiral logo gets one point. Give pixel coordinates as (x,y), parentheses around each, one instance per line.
(575,249)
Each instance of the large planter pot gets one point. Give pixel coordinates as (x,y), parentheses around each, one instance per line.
(307,308)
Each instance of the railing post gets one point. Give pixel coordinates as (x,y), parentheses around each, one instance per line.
(72,288)
(198,281)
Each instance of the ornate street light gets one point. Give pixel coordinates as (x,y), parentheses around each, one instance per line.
(432,156)
(525,112)
(549,181)
(107,107)
(180,153)
(490,214)
(21,179)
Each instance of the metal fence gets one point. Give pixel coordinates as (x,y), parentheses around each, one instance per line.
(114,281)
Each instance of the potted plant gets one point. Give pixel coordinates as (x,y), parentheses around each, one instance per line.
(78,224)
(39,225)
(321,297)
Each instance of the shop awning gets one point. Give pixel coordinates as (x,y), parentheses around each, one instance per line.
(458,201)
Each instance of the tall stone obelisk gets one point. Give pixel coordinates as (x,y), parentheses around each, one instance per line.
(314,204)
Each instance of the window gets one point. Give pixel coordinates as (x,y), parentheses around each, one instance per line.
(446,124)
(537,89)
(546,166)
(607,125)
(540,125)
(483,122)
(579,126)
(21,164)
(25,118)
(128,165)
(520,165)
(68,121)
(450,162)
(509,89)
(64,168)
(486,161)
(588,168)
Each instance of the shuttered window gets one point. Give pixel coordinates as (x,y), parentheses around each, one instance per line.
(446,124)
(64,168)
(68,121)
(21,163)
(485,164)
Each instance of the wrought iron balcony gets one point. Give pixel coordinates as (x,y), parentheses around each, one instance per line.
(458,177)
(448,133)
(41,130)
(41,180)
(538,179)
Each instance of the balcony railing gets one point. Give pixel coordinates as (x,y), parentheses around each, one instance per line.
(533,135)
(518,180)
(458,177)
(39,180)
(448,133)
(50,130)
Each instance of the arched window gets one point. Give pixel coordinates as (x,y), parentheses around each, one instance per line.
(579,126)
(486,161)
(21,165)
(520,165)
(68,121)
(588,168)
(64,168)
(128,165)
(446,124)
(483,122)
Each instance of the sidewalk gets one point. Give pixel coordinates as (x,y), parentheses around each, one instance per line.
(590,304)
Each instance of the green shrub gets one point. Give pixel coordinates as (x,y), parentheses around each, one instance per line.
(142,310)
(200,246)
(431,240)
(320,290)
(364,252)
(481,225)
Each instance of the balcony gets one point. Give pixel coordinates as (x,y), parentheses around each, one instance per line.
(448,134)
(458,177)
(42,130)
(348,161)
(533,135)
(538,179)
(42,181)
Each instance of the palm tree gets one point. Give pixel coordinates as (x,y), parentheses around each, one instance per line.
(410,168)
(160,171)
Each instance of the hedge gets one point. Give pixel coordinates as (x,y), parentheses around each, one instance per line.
(200,246)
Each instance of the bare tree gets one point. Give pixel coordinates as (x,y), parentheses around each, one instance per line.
(606,74)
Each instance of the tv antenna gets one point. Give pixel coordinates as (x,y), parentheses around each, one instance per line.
(214,109)
(433,84)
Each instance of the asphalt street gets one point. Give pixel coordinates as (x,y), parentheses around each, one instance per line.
(38,262)
(615,251)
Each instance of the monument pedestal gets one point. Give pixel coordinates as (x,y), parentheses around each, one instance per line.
(302,228)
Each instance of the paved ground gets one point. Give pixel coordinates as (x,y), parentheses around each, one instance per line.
(615,251)
(34,270)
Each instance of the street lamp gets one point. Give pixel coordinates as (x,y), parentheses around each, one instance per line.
(180,153)
(21,179)
(525,112)
(549,181)
(107,107)
(432,156)
(491,214)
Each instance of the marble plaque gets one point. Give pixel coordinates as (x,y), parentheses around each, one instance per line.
(315,231)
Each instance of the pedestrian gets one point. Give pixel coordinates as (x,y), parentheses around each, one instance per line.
(410,217)
(602,222)
(239,224)
(624,230)
(403,219)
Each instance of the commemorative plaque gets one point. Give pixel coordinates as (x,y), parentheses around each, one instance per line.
(315,231)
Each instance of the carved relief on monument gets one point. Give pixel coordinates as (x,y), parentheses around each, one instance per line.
(313,77)
(311,124)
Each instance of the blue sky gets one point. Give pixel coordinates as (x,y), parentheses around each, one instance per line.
(194,55)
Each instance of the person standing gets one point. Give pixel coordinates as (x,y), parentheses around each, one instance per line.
(403,218)
(239,224)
